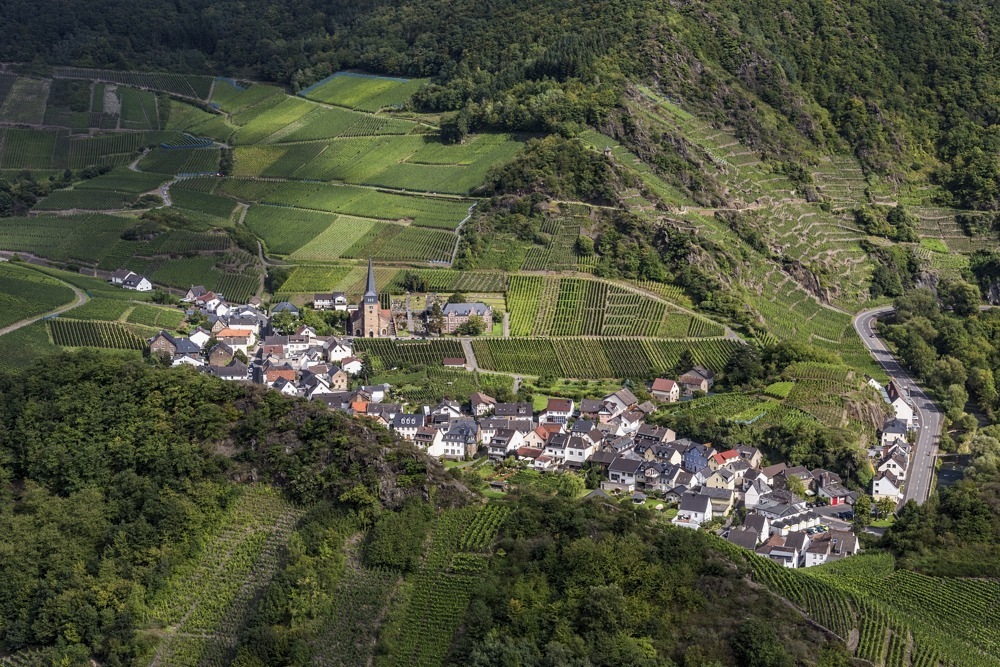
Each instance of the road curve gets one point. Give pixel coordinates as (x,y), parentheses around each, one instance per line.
(81,298)
(920,474)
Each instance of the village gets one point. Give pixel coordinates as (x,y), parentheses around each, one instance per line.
(795,516)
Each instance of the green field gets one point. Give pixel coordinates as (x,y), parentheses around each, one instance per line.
(388,353)
(352,200)
(890,611)
(85,333)
(25,293)
(579,307)
(597,358)
(87,237)
(209,596)
(181,161)
(367,93)
(25,101)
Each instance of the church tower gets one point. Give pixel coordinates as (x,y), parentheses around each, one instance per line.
(370,322)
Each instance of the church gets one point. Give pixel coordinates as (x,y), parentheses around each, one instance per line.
(369,319)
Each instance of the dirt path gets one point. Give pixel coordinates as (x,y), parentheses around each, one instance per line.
(81,298)
(470,355)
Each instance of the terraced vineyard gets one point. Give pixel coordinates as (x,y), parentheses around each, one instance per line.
(206,601)
(943,621)
(432,603)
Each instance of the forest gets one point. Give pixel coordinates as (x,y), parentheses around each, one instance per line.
(792,78)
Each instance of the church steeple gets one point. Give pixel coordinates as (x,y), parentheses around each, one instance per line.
(371,294)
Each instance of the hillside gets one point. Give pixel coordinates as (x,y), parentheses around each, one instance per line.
(164,517)
(634,188)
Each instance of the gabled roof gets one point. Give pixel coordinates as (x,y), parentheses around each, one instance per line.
(623,395)
(756,522)
(284,306)
(695,502)
(895,426)
(407,421)
(513,410)
(662,384)
(625,465)
(465,309)
(559,405)
(479,398)
(743,537)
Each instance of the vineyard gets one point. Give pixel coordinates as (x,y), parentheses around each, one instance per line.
(433,601)
(943,620)
(597,358)
(367,93)
(233,274)
(85,333)
(432,383)
(25,293)
(206,601)
(554,306)
(443,280)
(86,238)
(385,353)
(179,84)
(352,200)
(29,149)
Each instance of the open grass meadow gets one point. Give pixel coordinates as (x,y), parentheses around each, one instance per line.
(26,293)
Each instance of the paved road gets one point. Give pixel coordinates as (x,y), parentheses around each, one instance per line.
(921,472)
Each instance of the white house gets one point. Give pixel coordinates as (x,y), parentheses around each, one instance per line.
(622,474)
(505,443)
(666,390)
(481,404)
(893,431)
(337,350)
(406,425)
(199,337)
(187,360)
(695,509)
(557,411)
(351,365)
(430,440)
(578,449)
(894,461)
(887,485)
(330,301)
(137,283)
(899,402)
(285,386)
